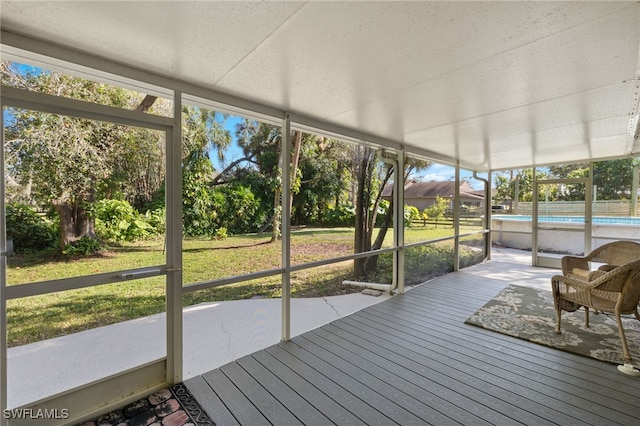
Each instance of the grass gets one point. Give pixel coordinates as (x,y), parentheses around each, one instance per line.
(42,317)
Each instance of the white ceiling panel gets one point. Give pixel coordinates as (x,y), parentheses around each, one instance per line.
(196,41)
(493,85)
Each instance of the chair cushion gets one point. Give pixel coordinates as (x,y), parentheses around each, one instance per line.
(581,273)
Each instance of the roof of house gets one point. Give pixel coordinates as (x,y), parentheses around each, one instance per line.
(432,189)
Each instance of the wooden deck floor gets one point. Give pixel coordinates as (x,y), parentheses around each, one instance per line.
(412,360)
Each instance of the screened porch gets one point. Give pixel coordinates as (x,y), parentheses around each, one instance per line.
(367,95)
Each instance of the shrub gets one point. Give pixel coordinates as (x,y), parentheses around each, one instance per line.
(29,231)
(220,234)
(237,214)
(420,264)
(85,246)
(156,218)
(426,262)
(383,211)
(342,215)
(117,220)
(411,213)
(200,206)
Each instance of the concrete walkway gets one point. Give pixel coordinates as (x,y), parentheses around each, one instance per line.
(214,334)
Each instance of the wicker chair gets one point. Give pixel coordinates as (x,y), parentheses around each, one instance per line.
(614,288)
(609,255)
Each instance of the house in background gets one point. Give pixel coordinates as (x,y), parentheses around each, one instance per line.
(423,194)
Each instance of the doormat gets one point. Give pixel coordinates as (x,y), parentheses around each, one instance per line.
(172,406)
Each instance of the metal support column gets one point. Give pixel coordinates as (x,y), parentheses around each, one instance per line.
(398,223)
(173,232)
(588,211)
(488,202)
(285,222)
(456,220)
(634,190)
(486,222)
(3,281)
(534,220)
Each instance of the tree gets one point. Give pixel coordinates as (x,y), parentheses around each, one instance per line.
(614,178)
(437,210)
(371,176)
(260,143)
(202,206)
(321,178)
(522,179)
(502,185)
(70,162)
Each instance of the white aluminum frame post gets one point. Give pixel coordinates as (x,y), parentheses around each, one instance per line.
(285,226)
(3,279)
(173,233)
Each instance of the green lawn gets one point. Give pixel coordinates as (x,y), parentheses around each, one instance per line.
(41,317)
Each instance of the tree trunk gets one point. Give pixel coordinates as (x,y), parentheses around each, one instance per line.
(362,241)
(366,216)
(67,226)
(266,225)
(277,207)
(146,103)
(217,180)
(277,216)
(297,143)
(371,263)
(74,222)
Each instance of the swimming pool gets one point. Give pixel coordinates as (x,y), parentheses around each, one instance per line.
(562,234)
(611,220)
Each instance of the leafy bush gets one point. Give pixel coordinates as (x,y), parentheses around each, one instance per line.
(383,210)
(420,263)
(85,246)
(411,213)
(29,231)
(221,234)
(200,205)
(240,206)
(156,218)
(342,215)
(437,210)
(426,262)
(211,212)
(117,220)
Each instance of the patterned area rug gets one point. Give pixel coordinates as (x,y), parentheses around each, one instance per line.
(528,314)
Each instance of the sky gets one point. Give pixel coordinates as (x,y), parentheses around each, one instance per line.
(233,152)
(436,172)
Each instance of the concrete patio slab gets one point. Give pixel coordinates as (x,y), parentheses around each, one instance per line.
(214,334)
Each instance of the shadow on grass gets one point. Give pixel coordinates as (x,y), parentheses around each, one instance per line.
(206,249)
(51,257)
(320,231)
(132,249)
(46,320)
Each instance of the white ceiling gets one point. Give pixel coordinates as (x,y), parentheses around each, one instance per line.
(494,85)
